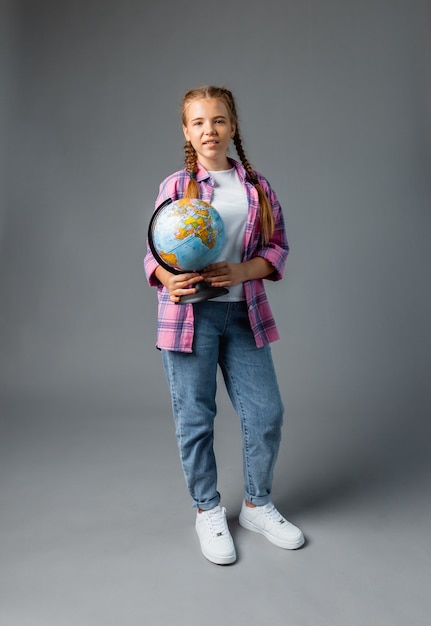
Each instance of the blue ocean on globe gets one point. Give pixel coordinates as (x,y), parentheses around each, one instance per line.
(188,234)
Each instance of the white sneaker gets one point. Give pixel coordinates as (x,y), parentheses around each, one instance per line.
(270,523)
(216,541)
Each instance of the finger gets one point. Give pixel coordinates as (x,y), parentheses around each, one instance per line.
(214,273)
(175,296)
(214,266)
(190,278)
(220,281)
(184,287)
(217,276)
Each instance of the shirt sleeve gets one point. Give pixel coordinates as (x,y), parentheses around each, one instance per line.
(277,249)
(167,189)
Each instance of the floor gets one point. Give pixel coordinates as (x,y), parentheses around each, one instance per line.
(96,529)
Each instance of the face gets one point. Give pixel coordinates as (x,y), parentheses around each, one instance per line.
(209,129)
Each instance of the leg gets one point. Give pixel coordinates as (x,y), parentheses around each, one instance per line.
(192,382)
(252,385)
(192,385)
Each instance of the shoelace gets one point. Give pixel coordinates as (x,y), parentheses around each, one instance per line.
(274,516)
(217,522)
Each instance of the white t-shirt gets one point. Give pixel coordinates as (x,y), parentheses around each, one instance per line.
(230,200)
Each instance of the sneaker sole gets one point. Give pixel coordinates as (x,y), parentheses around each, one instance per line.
(219,560)
(287,545)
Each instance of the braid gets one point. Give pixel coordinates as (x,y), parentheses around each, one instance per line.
(266,216)
(241,153)
(192,190)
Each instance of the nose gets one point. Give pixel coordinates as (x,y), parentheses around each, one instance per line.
(210,129)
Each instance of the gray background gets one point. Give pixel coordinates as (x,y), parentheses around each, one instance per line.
(334,103)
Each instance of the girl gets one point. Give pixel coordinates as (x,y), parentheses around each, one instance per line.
(232,331)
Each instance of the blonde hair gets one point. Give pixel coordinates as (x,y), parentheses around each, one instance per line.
(192,190)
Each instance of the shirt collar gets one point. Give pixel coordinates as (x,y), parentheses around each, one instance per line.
(202,173)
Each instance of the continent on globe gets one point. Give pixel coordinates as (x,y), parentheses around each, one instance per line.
(170,259)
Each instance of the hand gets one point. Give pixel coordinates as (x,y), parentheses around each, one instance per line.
(224,274)
(181,284)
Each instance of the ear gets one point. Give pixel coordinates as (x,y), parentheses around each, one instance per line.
(233,131)
(186,133)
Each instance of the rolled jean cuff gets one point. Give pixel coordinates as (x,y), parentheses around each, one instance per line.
(207,506)
(259,500)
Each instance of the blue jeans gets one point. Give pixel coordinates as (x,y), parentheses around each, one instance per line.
(223,337)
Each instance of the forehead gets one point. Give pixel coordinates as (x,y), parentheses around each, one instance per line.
(206,107)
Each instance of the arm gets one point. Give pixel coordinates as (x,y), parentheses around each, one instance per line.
(262,262)
(227,274)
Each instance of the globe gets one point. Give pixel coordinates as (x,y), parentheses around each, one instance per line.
(185,236)
(188,234)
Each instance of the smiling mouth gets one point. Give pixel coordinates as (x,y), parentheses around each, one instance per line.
(210,143)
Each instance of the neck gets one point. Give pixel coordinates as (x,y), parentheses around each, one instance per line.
(216,166)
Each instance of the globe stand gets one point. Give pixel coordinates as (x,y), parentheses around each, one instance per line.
(204,291)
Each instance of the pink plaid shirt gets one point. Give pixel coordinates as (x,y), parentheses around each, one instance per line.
(175,326)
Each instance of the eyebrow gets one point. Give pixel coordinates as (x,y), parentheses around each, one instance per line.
(215,117)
